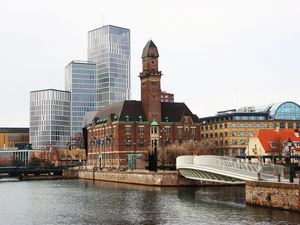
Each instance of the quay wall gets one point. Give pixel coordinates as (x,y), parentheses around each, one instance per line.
(273,195)
(142,178)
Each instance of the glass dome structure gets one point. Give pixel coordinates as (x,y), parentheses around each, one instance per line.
(285,111)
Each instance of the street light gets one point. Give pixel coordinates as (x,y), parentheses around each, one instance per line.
(290,144)
(163,132)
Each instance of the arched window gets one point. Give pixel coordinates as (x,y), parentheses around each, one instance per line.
(287,111)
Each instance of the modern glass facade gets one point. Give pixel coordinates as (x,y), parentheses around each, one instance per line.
(80,81)
(49,118)
(109,48)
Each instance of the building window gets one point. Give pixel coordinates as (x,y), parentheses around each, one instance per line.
(216,126)
(266,125)
(257,125)
(216,135)
(242,151)
(290,125)
(233,125)
(128,129)
(221,126)
(225,125)
(233,133)
(179,129)
(298,125)
(167,130)
(273,144)
(242,134)
(193,131)
(234,142)
(206,135)
(211,135)
(153,130)
(250,133)
(282,125)
(127,142)
(226,134)
(202,135)
(242,125)
(141,130)
(141,142)
(243,142)
(250,125)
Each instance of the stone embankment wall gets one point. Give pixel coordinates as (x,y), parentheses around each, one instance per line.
(71,174)
(144,178)
(273,195)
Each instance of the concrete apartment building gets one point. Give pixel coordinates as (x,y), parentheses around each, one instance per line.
(50,118)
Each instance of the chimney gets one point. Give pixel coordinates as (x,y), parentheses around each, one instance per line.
(296,132)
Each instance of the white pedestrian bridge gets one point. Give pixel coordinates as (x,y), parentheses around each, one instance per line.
(225,169)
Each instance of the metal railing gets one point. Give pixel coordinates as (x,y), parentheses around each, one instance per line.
(229,166)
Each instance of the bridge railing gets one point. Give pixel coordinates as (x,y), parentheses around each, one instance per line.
(230,166)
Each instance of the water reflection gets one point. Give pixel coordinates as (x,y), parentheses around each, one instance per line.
(87,202)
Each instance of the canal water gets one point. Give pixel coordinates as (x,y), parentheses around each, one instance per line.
(86,202)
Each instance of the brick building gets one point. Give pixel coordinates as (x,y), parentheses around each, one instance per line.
(136,127)
(166,97)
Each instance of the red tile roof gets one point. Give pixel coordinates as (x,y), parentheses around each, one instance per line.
(266,137)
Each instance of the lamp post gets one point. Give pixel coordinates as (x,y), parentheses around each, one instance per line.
(290,144)
(163,132)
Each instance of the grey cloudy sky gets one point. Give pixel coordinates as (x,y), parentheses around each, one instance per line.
(214,54)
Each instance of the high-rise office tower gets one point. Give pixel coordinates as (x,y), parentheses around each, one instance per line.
(80,81)
(109,49)
(49,118)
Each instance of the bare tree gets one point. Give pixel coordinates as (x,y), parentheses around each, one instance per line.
(77,141)
(168,155)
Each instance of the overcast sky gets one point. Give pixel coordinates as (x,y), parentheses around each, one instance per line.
(214,54)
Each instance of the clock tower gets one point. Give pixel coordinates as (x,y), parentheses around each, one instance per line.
(150,83)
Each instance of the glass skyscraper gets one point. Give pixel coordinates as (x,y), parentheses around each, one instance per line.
(80,81)
(109,49)
(49,118)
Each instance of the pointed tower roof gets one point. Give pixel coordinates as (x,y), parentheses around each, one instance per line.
(150,50)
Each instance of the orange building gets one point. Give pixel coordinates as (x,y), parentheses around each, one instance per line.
(273,142)
(10,137)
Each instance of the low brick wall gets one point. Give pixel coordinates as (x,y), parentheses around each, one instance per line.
(273,195)
(144,178)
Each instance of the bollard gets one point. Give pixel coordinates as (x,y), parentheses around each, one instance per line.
(258,176)
(278,176)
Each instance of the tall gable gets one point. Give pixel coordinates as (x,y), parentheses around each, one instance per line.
(174,111)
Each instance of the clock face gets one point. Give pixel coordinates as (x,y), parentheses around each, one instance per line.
(153,92)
